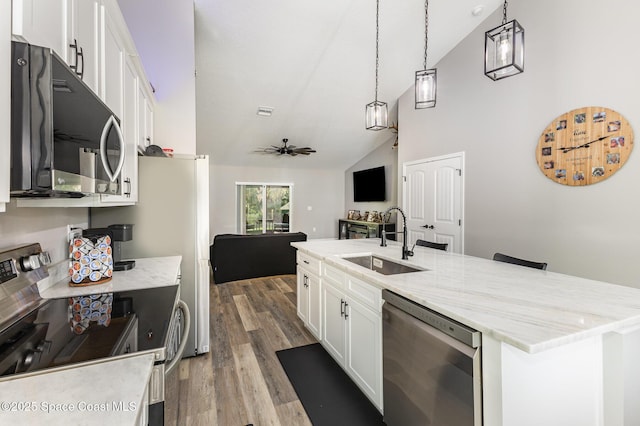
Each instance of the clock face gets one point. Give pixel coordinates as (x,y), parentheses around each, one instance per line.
(584,146)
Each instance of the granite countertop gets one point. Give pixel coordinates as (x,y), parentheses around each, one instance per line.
(102,393)
(527,308)
(148,273)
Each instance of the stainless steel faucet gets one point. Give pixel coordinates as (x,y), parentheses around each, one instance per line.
(383,240)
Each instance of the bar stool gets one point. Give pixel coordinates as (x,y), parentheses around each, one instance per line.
(438,246)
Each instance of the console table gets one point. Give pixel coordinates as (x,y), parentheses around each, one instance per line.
(350,229)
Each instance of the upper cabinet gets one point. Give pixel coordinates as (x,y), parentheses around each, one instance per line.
(42,23)
(145,119)
(83,38)
(93,39)
(5,101)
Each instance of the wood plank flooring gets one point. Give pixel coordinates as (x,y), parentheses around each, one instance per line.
(241,381)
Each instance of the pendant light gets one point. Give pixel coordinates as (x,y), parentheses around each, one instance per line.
(376,112)
(504,49)
(426,79)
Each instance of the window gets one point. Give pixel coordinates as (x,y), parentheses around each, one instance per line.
(263,208)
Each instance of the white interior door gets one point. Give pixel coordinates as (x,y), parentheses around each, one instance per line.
(433,200)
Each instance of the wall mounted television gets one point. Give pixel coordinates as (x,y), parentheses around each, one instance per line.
(369,185)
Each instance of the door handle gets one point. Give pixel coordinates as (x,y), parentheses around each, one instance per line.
(342,303)
(113,175)
(428,226)
(185,333)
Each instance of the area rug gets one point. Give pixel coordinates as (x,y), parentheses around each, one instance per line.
(327,394)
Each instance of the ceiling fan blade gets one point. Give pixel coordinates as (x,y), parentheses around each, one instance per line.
(286,149)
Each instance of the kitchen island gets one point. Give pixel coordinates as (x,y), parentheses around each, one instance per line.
(556,349)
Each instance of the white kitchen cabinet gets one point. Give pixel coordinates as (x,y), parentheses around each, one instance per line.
(364,348)
(84,41)
(121,96)
(352,327)
(5,102)
(112,68)
(145,115)
(42,23)
(309,293)
(333,325)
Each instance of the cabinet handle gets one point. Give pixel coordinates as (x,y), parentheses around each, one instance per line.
(342,307)
(346,315)
(128,182)
(306,261)
(306,281)
(74,46)
(80,56)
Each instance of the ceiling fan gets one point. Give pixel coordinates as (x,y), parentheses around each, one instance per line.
(286,149)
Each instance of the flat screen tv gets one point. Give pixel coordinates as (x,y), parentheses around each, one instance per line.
(369,185)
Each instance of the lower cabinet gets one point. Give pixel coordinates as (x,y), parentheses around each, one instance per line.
(352,330)
(308,287)
(345,314)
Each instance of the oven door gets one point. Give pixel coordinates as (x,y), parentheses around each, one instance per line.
(176,342)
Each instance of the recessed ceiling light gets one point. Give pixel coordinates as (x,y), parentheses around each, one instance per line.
(265,111)
(477,11)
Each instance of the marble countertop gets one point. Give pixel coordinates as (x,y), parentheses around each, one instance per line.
(103,393)
(148,273)
(527,308)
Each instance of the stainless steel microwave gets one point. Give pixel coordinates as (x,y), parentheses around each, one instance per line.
(65,142)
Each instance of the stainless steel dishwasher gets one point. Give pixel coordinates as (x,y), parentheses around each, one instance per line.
(432,368)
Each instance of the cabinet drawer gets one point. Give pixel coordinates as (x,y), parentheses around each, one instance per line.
(334,274)
(308,262)
(365,293)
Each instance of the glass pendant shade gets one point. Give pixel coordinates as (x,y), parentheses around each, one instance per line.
(426,81)
(504,51)
(376,116)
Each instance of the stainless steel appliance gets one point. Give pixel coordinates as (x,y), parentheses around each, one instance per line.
(431,367)
(35,334)
(65,142)
(172,218)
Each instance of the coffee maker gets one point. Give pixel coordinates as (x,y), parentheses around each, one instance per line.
(119,233)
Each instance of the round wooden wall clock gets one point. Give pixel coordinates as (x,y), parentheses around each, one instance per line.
(584,146)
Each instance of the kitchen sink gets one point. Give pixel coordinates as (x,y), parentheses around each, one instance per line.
(380,265)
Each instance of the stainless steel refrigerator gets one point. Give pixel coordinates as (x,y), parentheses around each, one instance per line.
(172,218)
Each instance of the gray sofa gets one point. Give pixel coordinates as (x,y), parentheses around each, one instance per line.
(238,257)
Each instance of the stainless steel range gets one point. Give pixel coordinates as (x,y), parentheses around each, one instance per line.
(36,334)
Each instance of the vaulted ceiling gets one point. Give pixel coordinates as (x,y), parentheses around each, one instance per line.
(314,64)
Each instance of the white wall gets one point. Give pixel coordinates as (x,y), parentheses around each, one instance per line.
(163,32)
(322,190)
(47,226)
(385,156)
(578,53)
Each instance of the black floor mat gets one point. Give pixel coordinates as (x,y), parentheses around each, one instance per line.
(328,395)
